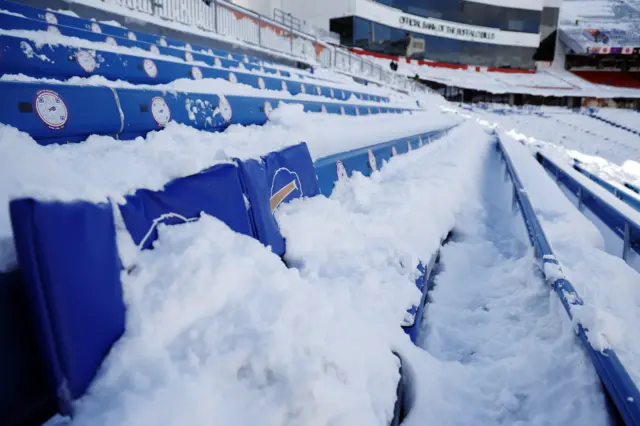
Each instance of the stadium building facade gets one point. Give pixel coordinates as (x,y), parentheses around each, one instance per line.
(493,33)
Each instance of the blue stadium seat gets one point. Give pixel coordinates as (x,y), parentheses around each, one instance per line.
(58,113)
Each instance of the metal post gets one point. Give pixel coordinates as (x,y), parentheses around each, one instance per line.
(291,33)
(259,30)
(626,248)
(580,201)
(215,16)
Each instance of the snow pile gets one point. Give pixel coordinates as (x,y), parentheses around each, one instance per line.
(219,328)
(103,167)
(627,118)
(607,285)
(608,158)
(398,215)
(497,338)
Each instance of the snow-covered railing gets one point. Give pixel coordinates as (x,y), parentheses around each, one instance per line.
(222,17)
(621,223)
(621,194)
(615,378)
(595,115)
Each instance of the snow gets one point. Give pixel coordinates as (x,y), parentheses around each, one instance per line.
(236,338)
(85,171)
(559,127)
(6,12)
(40,38)
(606,284)
(145,18)
(497,339)
(544,82)
(626,118)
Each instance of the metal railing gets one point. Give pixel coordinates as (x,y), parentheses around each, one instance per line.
(228,19)
(286,19)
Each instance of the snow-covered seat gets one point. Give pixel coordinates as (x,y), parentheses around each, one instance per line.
(60,113)
(188,61)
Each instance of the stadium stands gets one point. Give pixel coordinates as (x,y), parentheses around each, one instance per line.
(67,295)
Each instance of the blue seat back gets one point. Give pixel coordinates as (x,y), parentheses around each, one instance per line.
(216,191)
(277,178)
(69,260)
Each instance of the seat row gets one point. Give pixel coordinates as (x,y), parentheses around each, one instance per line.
(42,60)
(70,268)
(60,113)
(40,20)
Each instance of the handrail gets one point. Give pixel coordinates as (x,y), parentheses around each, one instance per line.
(621,194)
(625,227)
(621,388)
(378,73)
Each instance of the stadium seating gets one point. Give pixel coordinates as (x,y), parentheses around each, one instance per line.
(194,58)
(66,296)
(76,323)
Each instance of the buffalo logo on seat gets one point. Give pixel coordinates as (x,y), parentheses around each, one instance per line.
(285,186)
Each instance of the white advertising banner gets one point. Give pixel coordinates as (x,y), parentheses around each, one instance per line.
(436,27)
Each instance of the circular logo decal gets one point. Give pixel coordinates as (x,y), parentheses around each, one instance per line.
(160,111)
(162,42)
(341,171)
(332,93)
(283,85)
(51,18)
(150,68)
(51,109)
(154,49)
(318,90)
(188,46)
(53,29)
(342,111)
(268,109)
(303,89)
(196,73)
(323,109)
(261,83)
(96,28)
(217,62)
(188,56)
(372,161)
(132,36)
(233,78)
(112,41)
(225,108)
(86,60)
(394,151)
